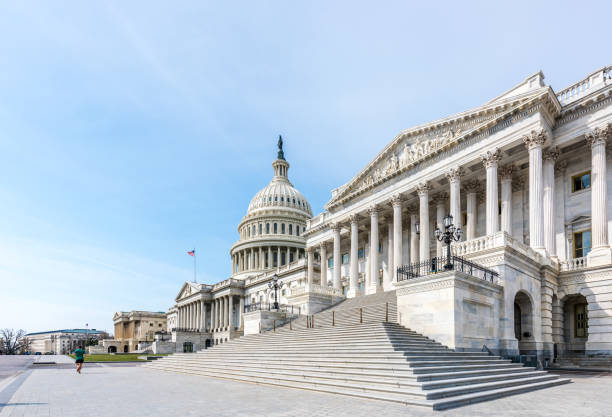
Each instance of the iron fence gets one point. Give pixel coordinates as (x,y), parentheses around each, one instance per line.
(264,306)
(440,264)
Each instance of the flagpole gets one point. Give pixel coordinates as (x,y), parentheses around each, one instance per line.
(194,266)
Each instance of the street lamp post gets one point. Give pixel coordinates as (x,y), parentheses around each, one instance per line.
(275,285)
(450,234)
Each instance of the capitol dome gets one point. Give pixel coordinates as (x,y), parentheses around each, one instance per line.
(271,232)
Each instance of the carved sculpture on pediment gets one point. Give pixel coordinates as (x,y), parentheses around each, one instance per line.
(392,164)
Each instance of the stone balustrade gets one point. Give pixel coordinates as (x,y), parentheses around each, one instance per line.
(574,264)
(496,240)
(267,275)
(593,82)
(316,289)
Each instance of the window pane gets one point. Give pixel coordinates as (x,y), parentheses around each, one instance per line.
(586,181)
(330,263)
(345,258)
(586,242)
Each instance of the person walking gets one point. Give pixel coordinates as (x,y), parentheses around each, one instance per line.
(79,358)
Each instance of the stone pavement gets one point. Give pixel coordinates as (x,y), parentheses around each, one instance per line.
(136,391)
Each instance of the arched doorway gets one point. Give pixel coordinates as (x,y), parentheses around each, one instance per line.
(523,322)
(112,349)
(125,349)
(575,324)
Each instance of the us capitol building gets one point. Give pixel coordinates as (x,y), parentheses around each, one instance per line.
(525,178)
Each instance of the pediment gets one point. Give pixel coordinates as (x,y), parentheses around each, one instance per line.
(187,289)
(413,146)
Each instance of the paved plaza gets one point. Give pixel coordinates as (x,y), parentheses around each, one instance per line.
(111,389)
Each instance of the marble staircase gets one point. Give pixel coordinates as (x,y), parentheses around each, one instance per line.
(376,360)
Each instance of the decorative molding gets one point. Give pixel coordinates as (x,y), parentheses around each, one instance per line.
(473,186)
(353,218)
(534,139)
(423,189)
(454,174)
(560,167)
(396,200)
(490,158)
(440,198)
(598,135)
(551,154)
(373,210)
(335,226)
(505,172)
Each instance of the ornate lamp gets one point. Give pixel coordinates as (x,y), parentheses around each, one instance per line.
(275,285)
(450,234)
(416,228)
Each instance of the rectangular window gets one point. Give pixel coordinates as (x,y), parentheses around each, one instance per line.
(360,253)
(297,230)
(582,243)
(260,226)
(581,181)
(275,228)
(283,228)
(380,248)
(268,228)
(290,229)
(330,263)
(345,258)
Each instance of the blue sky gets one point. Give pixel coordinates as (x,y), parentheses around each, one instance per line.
(131,132)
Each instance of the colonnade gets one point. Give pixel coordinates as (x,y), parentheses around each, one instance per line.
(262,257)
(209,316)
(541,211)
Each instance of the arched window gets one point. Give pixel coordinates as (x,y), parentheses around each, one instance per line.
(294,201)
(282,198)
(268,228)
(275,228)
(249,231)
(275,198)
(297,230)
(290,229)
(254,230)
(283,228)
(260,227)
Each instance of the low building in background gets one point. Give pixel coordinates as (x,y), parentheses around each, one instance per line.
(135,330)
(61,342)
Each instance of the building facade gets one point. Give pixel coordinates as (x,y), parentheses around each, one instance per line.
(526,177)
(61,342)
(135,330)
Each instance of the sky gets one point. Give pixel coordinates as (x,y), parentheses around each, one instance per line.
(131,132)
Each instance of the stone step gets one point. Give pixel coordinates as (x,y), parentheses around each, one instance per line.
(415,360)
(375,389)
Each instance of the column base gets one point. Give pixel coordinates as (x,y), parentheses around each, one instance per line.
(599,256)
(352,293)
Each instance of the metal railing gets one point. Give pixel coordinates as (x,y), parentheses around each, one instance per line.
(438,265)
(264,306)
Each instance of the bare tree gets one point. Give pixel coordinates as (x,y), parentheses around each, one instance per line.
(25,345)
(10,340)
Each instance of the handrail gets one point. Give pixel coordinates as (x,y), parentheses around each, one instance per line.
(438,265)
(265,306)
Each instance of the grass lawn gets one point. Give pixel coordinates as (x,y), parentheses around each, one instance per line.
(112,358)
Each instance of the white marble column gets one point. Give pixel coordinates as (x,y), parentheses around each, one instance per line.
(278,257)
(233,264)
(490,160)
(241,314)
(388,278)
(230,312)
(179,317)
(197,317)
(335,227)
(471,188)
(270,261)
(323,252)
(396,203)
(534,142)
(414,238)
(600,253)
(354,256)
(260,259)
(203,325)
(548,200)
(505,174)
(374,242)
(440,201)
(310,260)
(423,192)
(454,179)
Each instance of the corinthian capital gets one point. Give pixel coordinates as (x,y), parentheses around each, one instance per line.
(373,210)
(440,198)
(598,135)
(506,172)
(551,153)
(354,218)
(534,139)
(472,186)
(396,200)
(422,189)
(334,226)
(491,158)
(454,174)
